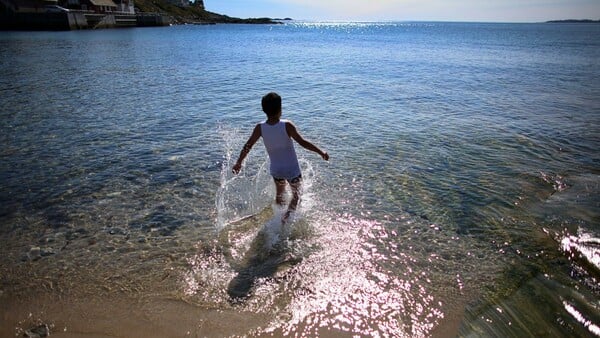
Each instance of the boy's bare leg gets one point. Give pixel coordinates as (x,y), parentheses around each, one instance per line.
(296,186)
(280,192)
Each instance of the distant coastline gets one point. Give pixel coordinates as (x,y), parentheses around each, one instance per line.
(94,14)
(192,13)
(574,21)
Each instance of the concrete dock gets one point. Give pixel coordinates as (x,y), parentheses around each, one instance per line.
(74,20)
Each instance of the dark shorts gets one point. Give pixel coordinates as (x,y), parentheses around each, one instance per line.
(292,181)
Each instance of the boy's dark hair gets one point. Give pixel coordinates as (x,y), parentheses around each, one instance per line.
(271,104)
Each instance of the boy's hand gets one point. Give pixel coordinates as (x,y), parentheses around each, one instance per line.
(236,168)
(325,156)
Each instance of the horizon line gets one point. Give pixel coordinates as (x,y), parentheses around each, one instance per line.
(431,21)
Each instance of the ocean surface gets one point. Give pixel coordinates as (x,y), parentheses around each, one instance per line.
(461,197)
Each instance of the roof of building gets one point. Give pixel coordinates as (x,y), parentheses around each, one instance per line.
(108,3)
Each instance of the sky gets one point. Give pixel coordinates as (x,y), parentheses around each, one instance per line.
(410,10)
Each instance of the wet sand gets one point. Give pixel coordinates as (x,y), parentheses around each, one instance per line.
(122,316)
(118,316)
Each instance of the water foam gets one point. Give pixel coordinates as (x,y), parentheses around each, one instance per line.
(252,190)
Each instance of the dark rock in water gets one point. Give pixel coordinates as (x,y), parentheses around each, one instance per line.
(76,233)
(109,248)
(34,253)
(45,252)
(117,231)
(57,218)
(37,332)
(160,221)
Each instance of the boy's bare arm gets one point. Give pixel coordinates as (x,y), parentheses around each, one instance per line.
(293,132)
(246,149)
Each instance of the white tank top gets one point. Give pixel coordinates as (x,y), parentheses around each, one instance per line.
(280,147)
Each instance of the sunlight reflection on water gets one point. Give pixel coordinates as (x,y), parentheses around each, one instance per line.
(591,326)
(344,287)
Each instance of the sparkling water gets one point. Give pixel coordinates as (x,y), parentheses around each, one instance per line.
(461,197)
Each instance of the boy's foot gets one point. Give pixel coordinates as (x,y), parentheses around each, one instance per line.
(286,216)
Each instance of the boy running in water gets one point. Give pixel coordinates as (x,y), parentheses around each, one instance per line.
(277,136)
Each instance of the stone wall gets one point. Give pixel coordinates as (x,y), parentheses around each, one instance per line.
(42,21)
(78,20)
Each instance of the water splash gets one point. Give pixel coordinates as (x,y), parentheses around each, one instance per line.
(244,194)
(252,190)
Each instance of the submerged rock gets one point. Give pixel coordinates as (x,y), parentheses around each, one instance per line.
(117,231)
(38,332)
(45,252)
(34,253)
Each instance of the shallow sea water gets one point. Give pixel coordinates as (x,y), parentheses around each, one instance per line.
(461,198)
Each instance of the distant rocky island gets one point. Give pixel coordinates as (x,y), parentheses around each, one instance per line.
(574,21)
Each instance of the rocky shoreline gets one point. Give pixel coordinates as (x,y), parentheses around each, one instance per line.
(147,13)
(193,14)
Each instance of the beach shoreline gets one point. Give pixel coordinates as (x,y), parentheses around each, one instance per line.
(118,315)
